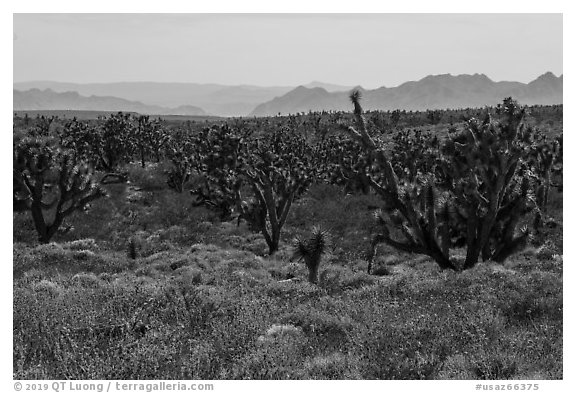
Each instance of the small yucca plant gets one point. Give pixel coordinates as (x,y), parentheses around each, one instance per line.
(132,249)
(311,251)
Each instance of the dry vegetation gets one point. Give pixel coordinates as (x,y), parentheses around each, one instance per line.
(146,285)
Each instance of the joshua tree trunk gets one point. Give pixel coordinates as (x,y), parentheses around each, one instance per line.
(313,274)
(45,231)
(276,211)
(271,241)
(143,157)
(75,188)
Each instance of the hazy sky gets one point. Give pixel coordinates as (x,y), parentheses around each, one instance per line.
(371,50)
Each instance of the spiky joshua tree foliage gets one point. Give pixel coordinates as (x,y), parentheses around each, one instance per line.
(476,192)
(114,143)
(487,174)
(179,174)
(311,251)
(218,152)
(51,184)
(279,168)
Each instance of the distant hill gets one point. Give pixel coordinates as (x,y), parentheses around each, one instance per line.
(67,114)
(186,99)
(328,86)
(432,92)
(36,99)
(220,100)
(93,115)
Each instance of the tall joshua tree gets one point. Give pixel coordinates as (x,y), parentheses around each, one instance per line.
(279,168)
(492,188)
(114,143)
(149,138)
(412,208)
(483,196)
(51,184)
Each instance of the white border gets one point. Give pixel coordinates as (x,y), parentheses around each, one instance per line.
(262,6)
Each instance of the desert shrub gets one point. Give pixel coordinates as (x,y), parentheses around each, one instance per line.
(257,246)
(357,280)
(336,279)
(528,262)
(293,292)
(81,244)
(286,271)
(235,259)
(23,230)
(86,280)
(151,244)
(150,178)
(331,366)
(347,216)
(493,366)
(531,299)
(403,350)
(326,329)
(546,251)
(46,288)
(276,331)
(234,336)
(460,321)
(381,270)
(85,319)
(106,219)
(456,366)
(278,358)
(384,360)
(55,258)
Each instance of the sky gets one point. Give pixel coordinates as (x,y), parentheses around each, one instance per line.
(370,50)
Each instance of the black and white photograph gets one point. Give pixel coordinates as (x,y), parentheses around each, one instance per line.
(287,196)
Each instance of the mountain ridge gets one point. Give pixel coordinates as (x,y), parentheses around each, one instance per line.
(440,91)
(37,99)
(443,91)
(213,98)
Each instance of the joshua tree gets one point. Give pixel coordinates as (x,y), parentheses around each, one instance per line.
(279,168)
(83,138)
(149,138)
(311,251)
(544,159)
(215,159)
(43,125)
(342,162)
(487,175)
(51,184)
(179,173)
(395,117)
(483,196)
(114,143)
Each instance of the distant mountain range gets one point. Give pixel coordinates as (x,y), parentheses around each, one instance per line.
(431,92)
(36,99)
(220,100)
